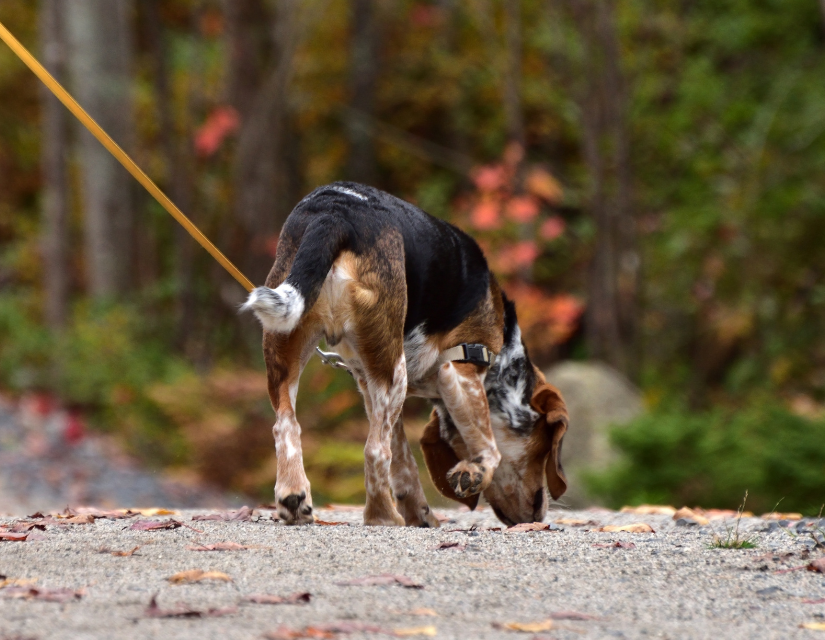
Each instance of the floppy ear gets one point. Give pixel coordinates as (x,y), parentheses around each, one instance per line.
(440,458)
(548,401)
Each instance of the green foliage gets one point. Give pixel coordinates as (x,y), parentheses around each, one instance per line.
(671,456)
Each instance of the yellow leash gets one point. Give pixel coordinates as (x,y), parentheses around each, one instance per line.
(121,156)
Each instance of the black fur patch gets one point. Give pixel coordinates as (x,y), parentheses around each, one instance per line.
(447,275)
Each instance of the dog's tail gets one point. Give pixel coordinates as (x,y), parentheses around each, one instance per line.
(308,251)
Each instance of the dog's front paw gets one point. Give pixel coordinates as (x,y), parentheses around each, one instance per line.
(469,478)
(294,507)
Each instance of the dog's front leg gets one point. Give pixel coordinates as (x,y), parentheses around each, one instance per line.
(406,482)
(461,388)
(384,401)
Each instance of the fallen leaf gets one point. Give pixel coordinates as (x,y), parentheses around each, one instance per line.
(792,569)
(244,514)
(690,514)
(81,519)
(574,615)
(636,527)
(265,598)
(817,565)
(813,626)
(5,581)
(325,523)
(46,595)
(154,611)
(617,545)
(458,546)
(528,526)
(429,631)
(344,627)
(650,510)
(119,554)
(219,546)
(22,527)
(421,611)
(781,516)
(381,579)
(573,522)
(287,633)
(154,511)
(8,536)
(527,627)
(820,601)
(198,575)
(155,525)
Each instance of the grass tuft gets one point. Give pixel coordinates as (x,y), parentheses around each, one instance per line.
(732,540)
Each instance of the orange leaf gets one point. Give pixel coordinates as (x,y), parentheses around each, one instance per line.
(486,215)
(489,178)
(552,228)
(539,182)
(219,124)
(636,527)
(522,209)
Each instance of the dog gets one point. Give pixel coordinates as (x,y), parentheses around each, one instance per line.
(411,307)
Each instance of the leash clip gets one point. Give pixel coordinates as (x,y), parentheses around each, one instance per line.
(332,359)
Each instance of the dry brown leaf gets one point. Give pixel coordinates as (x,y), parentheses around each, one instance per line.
(219,546)
(429,631)
(616,545)
(155,525)
(690,514)
(636,527)
(527,526)
(716,514)
(198,575)
(325,523)
(5,581)
(244,514)
(813,626)
(119,554)
(381,579)
(458,546)
(81,519)
(265,598)
(817,565)
(24,527)
(820,601)
(781,516)
(573,522)
(150,512)
(47,595)
(154,611)
(527,627)
(8,536)
(650,510)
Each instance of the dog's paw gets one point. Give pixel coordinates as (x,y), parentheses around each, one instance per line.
(416,514)
(469,478)
(294,507)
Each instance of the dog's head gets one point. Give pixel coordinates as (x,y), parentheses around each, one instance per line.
(529,419)
(528,433)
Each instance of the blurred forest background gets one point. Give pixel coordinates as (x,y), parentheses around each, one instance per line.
(647,177)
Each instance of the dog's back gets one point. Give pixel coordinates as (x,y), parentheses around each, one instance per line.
(445,271)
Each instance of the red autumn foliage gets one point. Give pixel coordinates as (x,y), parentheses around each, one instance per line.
(223,121)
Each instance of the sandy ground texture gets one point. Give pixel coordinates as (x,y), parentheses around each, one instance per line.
(570,581)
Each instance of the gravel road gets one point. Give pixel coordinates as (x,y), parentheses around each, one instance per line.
(570,582)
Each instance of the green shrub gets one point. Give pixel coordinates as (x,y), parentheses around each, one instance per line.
(670,456)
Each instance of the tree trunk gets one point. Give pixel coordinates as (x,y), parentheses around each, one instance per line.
(613,280)
(55,143)
(180,181)
(101,62)
(263,195)
(362,165)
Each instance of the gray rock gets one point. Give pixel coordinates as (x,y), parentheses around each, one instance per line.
(598,397)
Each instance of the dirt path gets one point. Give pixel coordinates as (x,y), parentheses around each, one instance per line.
(572,582)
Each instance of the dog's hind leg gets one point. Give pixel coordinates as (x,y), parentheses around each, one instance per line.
(285,357)
(406,482)
(462,390)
